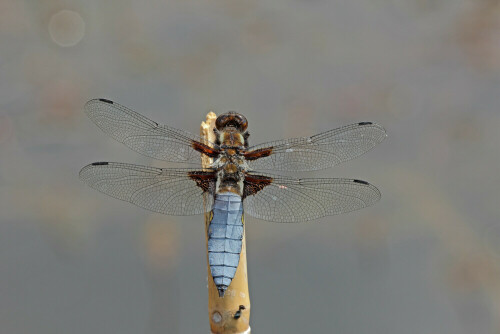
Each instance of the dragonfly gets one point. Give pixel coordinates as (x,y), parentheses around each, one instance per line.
(232,184)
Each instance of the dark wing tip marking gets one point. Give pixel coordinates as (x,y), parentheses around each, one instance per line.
(102,163)
(106,101)
(360,181)
(379,127)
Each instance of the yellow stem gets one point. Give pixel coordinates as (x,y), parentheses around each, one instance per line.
(231,313)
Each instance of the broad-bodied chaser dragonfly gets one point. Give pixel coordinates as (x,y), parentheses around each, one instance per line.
(231,185)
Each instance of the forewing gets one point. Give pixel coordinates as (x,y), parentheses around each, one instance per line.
(321,151)
(142,134)
(167,191)
(292,200)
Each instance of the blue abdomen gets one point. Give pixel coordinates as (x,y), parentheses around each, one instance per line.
(225,234)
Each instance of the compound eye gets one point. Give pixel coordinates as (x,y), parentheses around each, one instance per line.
(220,122)
(231,119)
(242,121)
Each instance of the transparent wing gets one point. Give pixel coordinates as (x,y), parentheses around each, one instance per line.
(167,191)
(321,151)
(141,134)
(292,200)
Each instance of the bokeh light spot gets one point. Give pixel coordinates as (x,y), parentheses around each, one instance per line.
(66,28)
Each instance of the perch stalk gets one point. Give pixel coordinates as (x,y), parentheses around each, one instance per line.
(231,313)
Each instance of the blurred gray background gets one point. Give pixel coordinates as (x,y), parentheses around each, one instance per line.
(423,260)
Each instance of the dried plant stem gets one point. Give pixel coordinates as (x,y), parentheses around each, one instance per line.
(231,313)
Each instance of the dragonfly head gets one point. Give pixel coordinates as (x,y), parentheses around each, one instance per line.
(231,119)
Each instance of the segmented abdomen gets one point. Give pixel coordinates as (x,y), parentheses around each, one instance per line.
(225,234)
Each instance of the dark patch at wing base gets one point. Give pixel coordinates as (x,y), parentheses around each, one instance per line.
(205,149)
(204,180)
(260,153)
(255,183)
